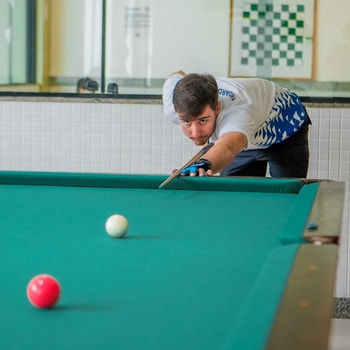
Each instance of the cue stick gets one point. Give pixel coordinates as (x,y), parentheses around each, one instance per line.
(196,157)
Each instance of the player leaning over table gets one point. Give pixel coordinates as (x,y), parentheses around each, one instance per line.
(251,122)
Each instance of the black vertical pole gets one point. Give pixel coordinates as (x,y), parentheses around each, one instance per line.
(103,48)
(31,41)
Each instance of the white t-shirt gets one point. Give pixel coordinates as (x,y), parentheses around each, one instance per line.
(263,111)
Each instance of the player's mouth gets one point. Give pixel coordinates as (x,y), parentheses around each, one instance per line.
(200,141)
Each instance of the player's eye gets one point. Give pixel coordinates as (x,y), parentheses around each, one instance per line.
(202,121)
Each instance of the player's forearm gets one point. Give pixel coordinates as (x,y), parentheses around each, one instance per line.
(225,150)
(219,160)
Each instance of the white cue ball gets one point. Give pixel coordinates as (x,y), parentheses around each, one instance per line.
(117,226)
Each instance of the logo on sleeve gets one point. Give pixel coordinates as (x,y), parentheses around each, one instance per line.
(227,93)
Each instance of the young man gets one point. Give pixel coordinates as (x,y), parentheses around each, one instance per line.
(252,122)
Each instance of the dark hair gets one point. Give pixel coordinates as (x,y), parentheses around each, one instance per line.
(193,93)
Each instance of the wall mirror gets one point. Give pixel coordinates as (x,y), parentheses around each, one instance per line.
(131,46)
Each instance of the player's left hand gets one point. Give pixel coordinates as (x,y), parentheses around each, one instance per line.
(200,168)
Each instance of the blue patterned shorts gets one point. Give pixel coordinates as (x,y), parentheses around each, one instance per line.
(287,116)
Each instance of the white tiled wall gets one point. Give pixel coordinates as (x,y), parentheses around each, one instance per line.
(89,137)
(136,138)
(330,159)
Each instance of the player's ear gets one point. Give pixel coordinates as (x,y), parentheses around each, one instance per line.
(218,108)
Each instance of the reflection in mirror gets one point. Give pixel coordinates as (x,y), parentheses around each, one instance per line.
(72,35)
(131,46)
(17,42)
(86,85)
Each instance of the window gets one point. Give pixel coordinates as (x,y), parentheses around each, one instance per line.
(130,47)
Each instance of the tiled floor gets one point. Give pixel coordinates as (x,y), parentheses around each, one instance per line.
(340,334)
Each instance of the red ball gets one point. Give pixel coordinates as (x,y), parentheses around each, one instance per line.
(43,291)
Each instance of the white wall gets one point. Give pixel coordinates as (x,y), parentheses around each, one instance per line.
(187,35)
(332,40)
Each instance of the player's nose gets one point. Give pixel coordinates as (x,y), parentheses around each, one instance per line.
(195,131)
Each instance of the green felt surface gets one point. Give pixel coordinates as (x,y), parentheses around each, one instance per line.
(193,269)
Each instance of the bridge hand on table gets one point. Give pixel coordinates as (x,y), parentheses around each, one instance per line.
(193,169)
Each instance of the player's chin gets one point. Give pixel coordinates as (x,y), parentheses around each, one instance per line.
(200,142)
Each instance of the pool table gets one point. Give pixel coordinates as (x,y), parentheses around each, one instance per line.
(208,262)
